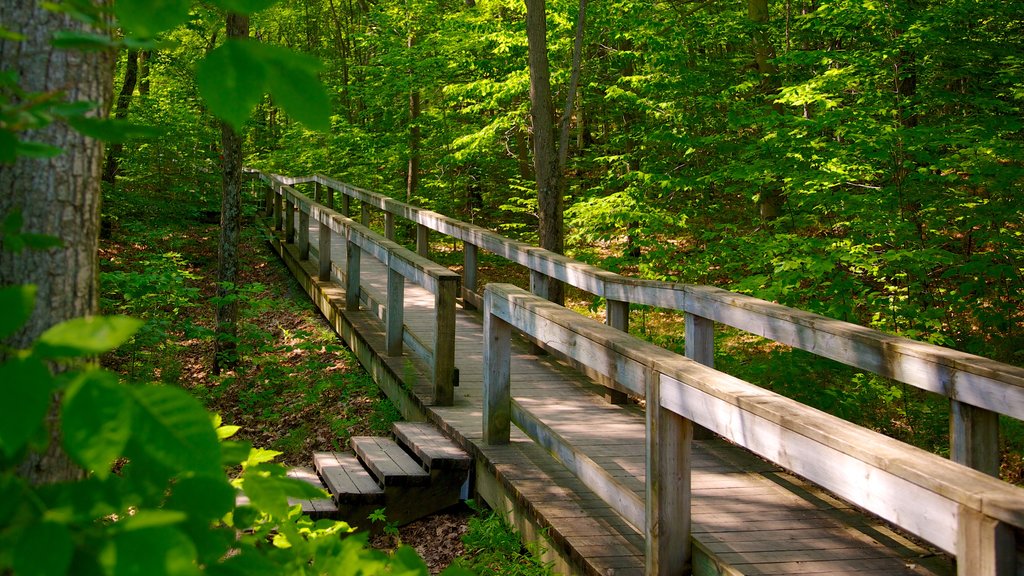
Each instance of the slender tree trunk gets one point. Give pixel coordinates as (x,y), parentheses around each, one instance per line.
(225,347)
(124,100)
(412,180)
(545,158)
(144,57)
(770,199)
(57,196)
(574,80)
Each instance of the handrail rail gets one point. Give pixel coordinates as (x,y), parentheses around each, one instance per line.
(401,263)
(960,510)
(979,388)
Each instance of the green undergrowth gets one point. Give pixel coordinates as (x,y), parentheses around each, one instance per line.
(494,548)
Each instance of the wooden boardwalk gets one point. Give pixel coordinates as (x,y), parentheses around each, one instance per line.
(749,517)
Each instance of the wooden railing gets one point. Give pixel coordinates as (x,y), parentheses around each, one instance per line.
(962,511)
(283,201)
(979,389)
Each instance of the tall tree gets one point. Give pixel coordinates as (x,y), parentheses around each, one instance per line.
(225,347)
(124,100)
(57,196)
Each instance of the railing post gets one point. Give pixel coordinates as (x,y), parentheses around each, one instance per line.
(303,234)
(389,226)
(330,197)
(470,266)
(353,254)
(974,437)
(268,201)
(497,408)
(616,316)
(324,256)
(422,240)
(667,530)
(364,214)
(984,545)
(444,342)
(289,220)
(318,192)
(700,347)
(346,204)
(396,311)
(278,209)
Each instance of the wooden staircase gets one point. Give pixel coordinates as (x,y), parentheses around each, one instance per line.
(417,474)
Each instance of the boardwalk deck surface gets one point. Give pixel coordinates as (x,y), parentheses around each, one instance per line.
(749,517)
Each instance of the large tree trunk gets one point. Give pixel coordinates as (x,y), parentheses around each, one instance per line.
(545,155)
(58,196)
(225,347)
(124,100)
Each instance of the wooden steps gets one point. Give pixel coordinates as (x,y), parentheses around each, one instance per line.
(421,474)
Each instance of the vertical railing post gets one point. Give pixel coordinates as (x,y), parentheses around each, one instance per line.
(616,316)
(389,225)
(984,546)
(268,201)
(304,233)
(700,347)
(346,204)
(330,197)
(318,192)
(353,254)
(278,209)
(668,450)
(364,213)
(289,220)
(470,267)
(444,342)
(396,310)
(324,249)
(974,437)
(422,240)
(497,408)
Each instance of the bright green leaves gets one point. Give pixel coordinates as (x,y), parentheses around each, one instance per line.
(156,551)
(86,336)
(26,386)
(233,78)
(44,549)
(269,490)
(244,6)
(17,303)
(170,428)
(150,17)
(96,420)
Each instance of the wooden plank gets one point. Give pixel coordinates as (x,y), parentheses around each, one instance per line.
(470,268)
(974,437)
(985,546)
(304,235)
(443,361)
(396,312)
(346,479)
(323,256)
(433,449)
(497,408)
(388,462)
(353,256)
(316,507)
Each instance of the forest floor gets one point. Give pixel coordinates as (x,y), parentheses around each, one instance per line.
(297,389)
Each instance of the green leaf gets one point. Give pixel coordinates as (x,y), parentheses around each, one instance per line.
(8,147)
(150,17)
(112,130)
(146,519)
(157,551)
(293,82)
(234,453)
(224,432)
(231,79)
(202,497)
(86,336)
(26,386)
(44,549)
(67,39)
(407,561)
(96,420)
(17,303)
(172,429)
(244,6)
(268,489)
(37,150)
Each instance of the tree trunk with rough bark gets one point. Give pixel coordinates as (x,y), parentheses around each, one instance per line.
(57,196)
(225,344)
(124,100)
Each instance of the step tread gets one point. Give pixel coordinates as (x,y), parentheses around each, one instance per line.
(321,506)
(386,460)
(433,448)
(346,479)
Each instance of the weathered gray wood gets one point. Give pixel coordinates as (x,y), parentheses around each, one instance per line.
(346,205)
(433,449)
(497,400)
(470,268)
(667,528)
(396,312)
(422,240)
(346,479)
(353,255)
(700,347)
(389,226)
(985,546)
(324,253)
(444,344)
(317,507)
(268,201)
(364,214)
(303,234)
(386,460)
(617,316)
(278,208)
(318,192)
(289,219)
(974,437)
